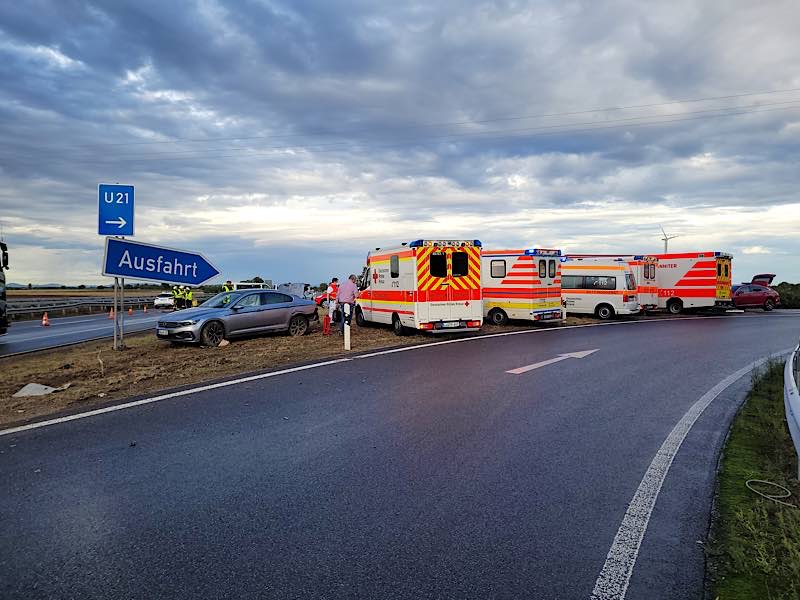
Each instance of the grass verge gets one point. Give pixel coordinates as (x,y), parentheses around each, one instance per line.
(754,551)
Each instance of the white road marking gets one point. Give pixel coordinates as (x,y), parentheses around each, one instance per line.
(615,576)
(544,363)
(204,388)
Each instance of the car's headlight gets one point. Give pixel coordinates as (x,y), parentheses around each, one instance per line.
(186,323)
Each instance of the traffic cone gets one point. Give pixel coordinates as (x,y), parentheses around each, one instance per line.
(45,320)
(130,312)
(111,314)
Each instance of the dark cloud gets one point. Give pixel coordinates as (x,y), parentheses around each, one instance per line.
(403,115)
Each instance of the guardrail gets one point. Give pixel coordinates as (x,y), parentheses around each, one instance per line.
(791,399)
(34,308)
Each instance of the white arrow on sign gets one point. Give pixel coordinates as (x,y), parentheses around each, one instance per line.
(119,221)
(544,363)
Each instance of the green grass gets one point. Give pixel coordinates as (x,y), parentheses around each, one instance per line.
(755,549)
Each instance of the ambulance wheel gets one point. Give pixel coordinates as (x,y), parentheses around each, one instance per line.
(498,316)
(397,326)
(212,334)
(298,326)
(769,305)
(604,312)
(360,320)
(674,307)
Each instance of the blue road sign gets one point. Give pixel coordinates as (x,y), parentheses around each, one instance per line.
(115,209)
(134,260)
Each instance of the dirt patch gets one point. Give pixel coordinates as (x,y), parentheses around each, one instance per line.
(98,374)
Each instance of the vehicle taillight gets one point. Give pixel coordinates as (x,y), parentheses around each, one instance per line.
(473,323)
(426,325)
(628,297)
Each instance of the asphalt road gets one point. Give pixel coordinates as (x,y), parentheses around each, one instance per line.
(429,473)
(27,336)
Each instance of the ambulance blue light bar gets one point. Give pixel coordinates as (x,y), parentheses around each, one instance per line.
(542,252)
(445,243)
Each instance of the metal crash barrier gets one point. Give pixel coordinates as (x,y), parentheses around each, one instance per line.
(791,399)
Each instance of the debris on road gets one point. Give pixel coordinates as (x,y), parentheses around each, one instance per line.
(37,389)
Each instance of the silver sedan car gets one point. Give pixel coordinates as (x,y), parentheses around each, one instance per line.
(241,312)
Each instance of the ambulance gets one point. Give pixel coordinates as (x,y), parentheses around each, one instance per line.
(645,271)
(521,284)
(599,286)
(425,285)
(694,280)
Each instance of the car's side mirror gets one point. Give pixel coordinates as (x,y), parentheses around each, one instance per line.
(236,308)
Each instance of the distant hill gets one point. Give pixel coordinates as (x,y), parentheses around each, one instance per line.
(19,286)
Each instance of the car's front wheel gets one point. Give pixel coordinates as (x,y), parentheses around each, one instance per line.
(604,312)
(498,317)
(397,326)
(674,307)
(360,320)
(212,334)
(298,326)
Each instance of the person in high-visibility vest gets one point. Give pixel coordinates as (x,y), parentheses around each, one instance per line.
(189,298)
(176,297)
(228,287)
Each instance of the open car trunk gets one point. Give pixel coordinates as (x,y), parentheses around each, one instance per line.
(763,279)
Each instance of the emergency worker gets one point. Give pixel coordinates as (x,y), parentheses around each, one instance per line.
(189,297)
(175,298)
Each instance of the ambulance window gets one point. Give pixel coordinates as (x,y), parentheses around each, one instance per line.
(498,268)
(572,282)
(552,269)
(460,264)
(726,269)
(394,266)
(630,281)
(719,269)
(652,271)
(438,264)
(542,269)
(599,283)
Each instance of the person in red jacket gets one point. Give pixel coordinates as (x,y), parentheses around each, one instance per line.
(333,289)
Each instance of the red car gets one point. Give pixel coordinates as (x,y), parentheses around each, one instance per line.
(757,294)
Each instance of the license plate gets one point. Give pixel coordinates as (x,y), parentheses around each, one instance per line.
(547,316)
(451,325)
(163,332)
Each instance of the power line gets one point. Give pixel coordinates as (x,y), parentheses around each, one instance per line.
(509,134)
(441,124)
(738,110)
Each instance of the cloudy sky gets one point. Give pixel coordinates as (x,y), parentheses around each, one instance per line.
(286,138)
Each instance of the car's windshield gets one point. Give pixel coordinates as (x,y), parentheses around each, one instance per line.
(222,299)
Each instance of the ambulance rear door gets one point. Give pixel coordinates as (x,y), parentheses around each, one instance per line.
(723,277)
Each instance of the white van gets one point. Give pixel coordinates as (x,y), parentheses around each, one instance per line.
(249,285)
(599,287)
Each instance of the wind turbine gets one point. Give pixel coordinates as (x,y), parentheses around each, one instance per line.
(666,239)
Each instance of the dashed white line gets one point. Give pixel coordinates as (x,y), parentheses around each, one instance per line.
(615,576)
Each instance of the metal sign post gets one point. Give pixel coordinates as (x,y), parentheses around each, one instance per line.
(122,314)
(114,313)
